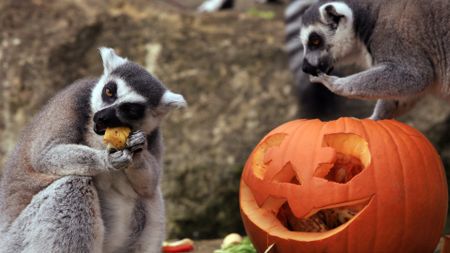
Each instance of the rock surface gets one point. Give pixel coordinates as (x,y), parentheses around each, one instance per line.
(230,66)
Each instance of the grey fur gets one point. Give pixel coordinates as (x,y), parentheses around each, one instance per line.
(62,218)
(62,191)
(408,43)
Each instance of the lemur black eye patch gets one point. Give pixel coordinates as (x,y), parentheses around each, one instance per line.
(315,41)
(109,93)
(132,111)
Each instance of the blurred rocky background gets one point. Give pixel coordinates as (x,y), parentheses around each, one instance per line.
(231,67)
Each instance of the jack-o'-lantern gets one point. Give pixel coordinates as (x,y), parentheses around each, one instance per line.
(344,186)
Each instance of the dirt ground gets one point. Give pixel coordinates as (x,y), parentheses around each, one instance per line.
(207,246)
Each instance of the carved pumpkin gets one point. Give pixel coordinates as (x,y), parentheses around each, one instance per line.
(344,186)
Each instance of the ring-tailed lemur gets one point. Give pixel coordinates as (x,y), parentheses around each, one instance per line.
(315,101)
(406,41)
(62,191)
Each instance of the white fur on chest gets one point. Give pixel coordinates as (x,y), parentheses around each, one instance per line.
(118,200)
(118,203)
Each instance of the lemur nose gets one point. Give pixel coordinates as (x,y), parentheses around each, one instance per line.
(308,68)
(107,118)
(99,118)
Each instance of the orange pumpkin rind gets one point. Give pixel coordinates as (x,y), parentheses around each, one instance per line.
(348,185)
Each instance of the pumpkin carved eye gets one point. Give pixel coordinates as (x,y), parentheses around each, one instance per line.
(352,156)
(260,165)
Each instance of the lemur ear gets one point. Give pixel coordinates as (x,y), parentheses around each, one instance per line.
(110,59)
(171,100)
(334,13)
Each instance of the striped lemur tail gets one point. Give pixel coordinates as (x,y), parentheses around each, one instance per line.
(216,5)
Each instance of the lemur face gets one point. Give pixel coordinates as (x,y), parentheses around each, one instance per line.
(327,36)
(127,95)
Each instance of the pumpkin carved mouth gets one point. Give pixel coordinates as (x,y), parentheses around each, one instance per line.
(322,220)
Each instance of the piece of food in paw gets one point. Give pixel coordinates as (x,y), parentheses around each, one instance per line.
(116,137)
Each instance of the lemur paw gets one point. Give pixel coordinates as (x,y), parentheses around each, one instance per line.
(323,79)
(136,142)
(331,82)
(119,160)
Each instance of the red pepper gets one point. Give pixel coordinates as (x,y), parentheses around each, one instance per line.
(184,245)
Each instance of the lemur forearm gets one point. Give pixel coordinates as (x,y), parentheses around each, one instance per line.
(71,159)
(381,82)
(144,174)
